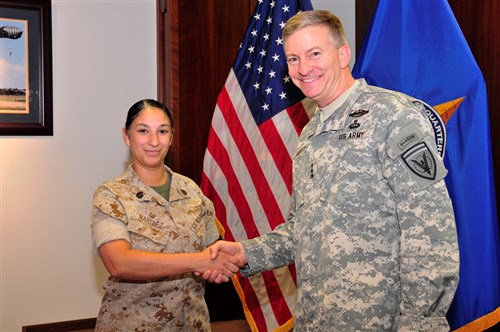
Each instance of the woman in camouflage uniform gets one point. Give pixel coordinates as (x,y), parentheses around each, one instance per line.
(151,228)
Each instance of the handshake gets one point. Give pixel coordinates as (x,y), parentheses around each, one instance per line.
(222,260)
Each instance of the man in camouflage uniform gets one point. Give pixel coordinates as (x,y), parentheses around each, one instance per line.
(372,229)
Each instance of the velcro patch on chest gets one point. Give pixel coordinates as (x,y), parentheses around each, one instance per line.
(356,126)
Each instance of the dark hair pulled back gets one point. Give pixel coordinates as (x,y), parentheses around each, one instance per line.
(139,106)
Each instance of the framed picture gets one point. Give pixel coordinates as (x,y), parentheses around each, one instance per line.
(25,67)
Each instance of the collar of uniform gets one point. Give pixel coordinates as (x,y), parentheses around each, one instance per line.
(328,110)
(177,194)
(142,191)
(145,193)
(178,186)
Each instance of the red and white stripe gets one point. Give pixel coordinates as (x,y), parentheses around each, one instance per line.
(247,172)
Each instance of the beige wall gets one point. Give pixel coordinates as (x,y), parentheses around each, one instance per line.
(345,10)
(104,58)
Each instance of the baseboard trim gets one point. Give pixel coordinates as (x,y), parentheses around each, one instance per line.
(71,325)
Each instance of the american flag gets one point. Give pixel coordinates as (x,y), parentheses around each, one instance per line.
(247,169)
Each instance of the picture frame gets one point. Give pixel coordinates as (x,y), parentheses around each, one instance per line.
(26,73)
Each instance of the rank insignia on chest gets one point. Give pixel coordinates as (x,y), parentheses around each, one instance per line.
(420,161)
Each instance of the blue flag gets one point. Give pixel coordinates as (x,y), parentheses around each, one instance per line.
(417,47)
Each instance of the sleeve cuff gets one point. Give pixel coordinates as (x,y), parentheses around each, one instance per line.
(416,323)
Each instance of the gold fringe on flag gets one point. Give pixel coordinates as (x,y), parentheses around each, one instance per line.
(287,327)
(246,311)
(482,323)
(220,228)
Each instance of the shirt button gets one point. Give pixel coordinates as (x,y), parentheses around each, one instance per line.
(140,194)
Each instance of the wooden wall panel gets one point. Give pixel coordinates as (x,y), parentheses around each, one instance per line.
(363,15)
(479,23)
(198,41)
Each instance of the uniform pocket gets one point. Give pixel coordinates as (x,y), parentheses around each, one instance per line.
(149,230)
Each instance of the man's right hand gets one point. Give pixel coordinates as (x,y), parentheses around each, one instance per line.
(231,248)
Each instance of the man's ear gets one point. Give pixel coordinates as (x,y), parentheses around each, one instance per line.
(345,56)
(126,139)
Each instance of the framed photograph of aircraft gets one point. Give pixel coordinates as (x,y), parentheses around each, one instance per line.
(25,68)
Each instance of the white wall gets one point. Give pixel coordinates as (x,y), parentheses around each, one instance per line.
(345,10)
(104,59)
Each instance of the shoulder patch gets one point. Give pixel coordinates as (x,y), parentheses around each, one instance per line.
(436,123)
(410,138)
(420,161)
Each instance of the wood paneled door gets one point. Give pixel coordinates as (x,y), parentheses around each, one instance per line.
(197,44)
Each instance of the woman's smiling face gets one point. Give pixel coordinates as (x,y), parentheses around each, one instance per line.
(149,137)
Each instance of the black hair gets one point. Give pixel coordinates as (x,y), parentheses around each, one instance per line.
(135,109)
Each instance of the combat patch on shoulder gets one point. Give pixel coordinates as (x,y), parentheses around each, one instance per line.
(420,160)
